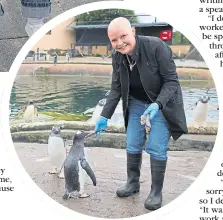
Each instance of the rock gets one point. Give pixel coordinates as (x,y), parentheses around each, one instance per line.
(118,140)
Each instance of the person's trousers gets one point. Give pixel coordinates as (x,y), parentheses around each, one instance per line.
(136,136)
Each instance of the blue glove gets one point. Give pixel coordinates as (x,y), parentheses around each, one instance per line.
(152,110)
(100,125)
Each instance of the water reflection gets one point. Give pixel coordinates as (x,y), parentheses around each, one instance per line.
(73,94)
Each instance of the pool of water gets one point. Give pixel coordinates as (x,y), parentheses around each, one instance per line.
(75,94)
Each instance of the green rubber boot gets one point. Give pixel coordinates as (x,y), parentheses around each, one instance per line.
(134,162)
(154,200)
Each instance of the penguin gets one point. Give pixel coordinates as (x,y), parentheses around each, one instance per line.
(201,111)
(56,151)
(89,111)
(30,111)
(75,168)
(100,105)
(117,117)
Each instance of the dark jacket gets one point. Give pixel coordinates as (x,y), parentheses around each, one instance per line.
(158,75)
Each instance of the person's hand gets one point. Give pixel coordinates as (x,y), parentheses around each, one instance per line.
(101,125)
(152,110)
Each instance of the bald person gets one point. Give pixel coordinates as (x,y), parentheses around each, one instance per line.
(144,76)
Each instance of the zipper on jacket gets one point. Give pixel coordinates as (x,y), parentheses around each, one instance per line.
(143,85)
(128,88)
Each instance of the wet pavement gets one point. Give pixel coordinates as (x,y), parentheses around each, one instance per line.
(109,166)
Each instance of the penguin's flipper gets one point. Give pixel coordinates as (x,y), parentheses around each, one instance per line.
(36,112)
(89,171)
(213,107)
(64,144)
(191,106)
(62,169)
(61,174)
(23,109)
(1,10)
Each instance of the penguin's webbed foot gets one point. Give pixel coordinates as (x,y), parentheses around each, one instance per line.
(69,195)
(204,125)
(73,195)
(66,196)
(61,176)
(196,126)
(53,171)
(83,195)
(200,126)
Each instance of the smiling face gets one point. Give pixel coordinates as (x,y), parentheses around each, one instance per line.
(122,36)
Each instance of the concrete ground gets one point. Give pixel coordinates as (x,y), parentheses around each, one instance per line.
(109,166)
(12,27)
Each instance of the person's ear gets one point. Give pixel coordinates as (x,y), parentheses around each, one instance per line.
(133,31)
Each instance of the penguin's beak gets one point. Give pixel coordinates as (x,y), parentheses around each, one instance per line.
(88,134)
(82,134)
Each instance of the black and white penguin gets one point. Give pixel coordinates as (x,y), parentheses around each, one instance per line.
(201,111)
(75,168)
(30,112)
(56,151)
